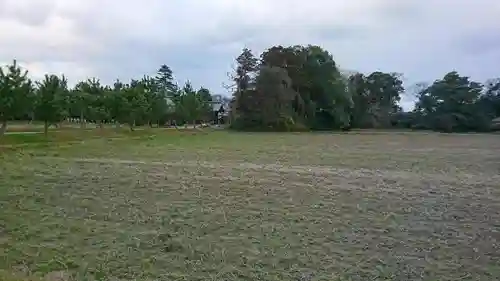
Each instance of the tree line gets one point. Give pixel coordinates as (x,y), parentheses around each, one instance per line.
(290,88)
(302,88)
(148,100)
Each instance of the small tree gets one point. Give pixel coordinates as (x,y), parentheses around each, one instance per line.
(190,105)
(98,109)
(134,103)
(15,93)
(117,103)
(51,105)
(156,98)
(206,101)
(80,102)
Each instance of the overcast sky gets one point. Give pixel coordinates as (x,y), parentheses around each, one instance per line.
(199,39)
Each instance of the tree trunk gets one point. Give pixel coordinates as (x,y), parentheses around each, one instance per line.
(194,124)
(82,123)
(46,128)
(131,125)
(150,124)
(101,125)
(3,128)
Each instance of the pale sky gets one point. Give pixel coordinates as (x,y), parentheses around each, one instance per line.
(109,39)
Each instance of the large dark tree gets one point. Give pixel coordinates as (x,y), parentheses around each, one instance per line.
(323,99)
(243,79)
(450,104)
(376,98)
(361,113)
(489,102)
(268,107)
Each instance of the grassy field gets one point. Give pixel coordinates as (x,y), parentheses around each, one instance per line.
(233,206)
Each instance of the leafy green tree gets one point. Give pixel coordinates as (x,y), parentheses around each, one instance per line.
(328,90)
(190,107)
(361,113)
(157,100)
(375,98)
(204,94)
(134,103)
(450,104)
(384,90)
(268,107)
(323,101)
(117,103)
(489,102)
(80,102)
(294,60)
(97,100)
(52,100)
(206,101)
(15,94)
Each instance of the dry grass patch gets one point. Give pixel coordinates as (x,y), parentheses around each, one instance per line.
(226,206)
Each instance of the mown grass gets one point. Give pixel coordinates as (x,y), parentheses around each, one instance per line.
(231,206)
(21,139)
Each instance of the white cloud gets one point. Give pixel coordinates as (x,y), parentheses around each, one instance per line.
(423,39)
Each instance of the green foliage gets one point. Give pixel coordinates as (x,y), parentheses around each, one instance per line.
(133,103)
(308,89)
(15,94)
(98,100)
(206,99)
(80,102)
(269,106)
(52,100)
(451,104)
(286,88)
(165,81)
(304,86)
(156,98)
(193,106)
(375,98)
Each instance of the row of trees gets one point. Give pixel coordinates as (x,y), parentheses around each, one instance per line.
(286,88)
(302,88)
(149,100)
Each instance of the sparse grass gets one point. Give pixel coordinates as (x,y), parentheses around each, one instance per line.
(233,206)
